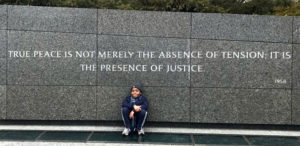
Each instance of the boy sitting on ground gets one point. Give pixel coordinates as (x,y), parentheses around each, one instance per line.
(134,106)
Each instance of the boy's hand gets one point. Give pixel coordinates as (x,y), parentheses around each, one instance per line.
(131,114)
(137,108)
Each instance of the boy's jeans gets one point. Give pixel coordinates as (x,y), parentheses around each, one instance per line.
(140,118)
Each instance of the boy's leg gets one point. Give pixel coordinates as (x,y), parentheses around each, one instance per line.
(134,122)
(125,116)
(136,118)
(141,118)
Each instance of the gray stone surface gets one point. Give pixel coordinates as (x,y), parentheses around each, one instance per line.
(296,30)
(50,71)
(51,102)
(241,27)
(135,44)
(165,103)
(247,72)
(3,16)
(109,101)
(296,107)
(296,67)
(2,101)
(3,45)
(168,104)
(248,106)
(52,19)
(2,71)
(144,23)
(242,91)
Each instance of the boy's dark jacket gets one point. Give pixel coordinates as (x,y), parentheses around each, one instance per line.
(141,100)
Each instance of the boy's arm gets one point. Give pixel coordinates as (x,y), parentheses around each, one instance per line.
(127,104)
(145,104)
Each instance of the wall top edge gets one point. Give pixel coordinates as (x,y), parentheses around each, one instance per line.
(193,13)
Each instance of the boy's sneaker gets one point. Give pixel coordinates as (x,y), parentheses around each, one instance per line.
(126,131)
(141,132)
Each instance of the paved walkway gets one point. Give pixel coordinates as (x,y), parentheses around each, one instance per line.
(103,135)
(35,135)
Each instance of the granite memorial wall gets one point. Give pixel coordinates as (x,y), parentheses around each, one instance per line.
(78,64)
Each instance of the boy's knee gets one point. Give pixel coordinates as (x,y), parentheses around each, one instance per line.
(125,110)
(143,112)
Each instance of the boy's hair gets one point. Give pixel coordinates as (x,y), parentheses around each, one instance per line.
(137,85)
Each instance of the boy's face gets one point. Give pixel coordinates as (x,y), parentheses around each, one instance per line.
(135,92)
